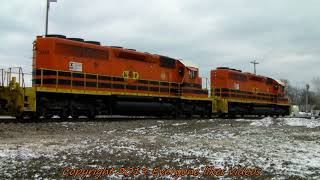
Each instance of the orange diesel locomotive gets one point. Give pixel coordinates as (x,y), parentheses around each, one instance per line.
(76,77)
(241,93)
(73,77)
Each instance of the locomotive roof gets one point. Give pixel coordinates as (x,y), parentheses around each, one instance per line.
(280,82)
(189,64)
(248,73)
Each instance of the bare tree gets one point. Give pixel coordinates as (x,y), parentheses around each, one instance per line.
(297,95)
(316,84)
(294,94)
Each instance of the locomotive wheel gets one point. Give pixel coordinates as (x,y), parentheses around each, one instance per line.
(91,113)
(91,116)
(203,114)
(231,116)
(19,118)
(209,115)
(64,115)
(47,116)
(75,117)
(223,116)
(35,117)
(160,116)
(176,114)
(189,114)
(44,113)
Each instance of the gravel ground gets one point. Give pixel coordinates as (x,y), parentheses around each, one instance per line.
(279,148)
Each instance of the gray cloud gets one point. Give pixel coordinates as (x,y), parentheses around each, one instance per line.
(282,35)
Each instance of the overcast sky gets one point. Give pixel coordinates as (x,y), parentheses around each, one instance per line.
(282,35)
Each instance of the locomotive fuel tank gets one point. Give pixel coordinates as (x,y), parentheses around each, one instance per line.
(142,108)
(140,105)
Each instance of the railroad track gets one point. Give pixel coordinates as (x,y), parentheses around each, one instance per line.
(8,119)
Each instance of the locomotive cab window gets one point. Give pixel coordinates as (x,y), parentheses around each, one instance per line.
(281,88)
(181,71)
(192,74)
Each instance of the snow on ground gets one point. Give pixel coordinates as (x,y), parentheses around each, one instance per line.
(309,123)
(245,120)
(281,147)
(268,121)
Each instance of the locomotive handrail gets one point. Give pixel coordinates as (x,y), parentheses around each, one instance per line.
(166,88)
(20,76)
(257,97)
(85,82)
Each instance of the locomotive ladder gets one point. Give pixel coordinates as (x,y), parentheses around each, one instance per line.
(6,76)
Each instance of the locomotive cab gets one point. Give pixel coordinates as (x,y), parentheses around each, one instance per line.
(192,82)
(241,93)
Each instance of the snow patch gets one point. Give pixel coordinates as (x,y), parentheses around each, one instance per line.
(265,122)
(202,121)
(179,124)
(138,130)
(245,120)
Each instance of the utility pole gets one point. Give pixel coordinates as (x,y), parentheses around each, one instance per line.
(47,17)
(254,65)
(47,14)
(307,87)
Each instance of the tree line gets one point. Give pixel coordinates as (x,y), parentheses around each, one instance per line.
(297,95)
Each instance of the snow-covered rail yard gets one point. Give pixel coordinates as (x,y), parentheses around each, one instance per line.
(281,147)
